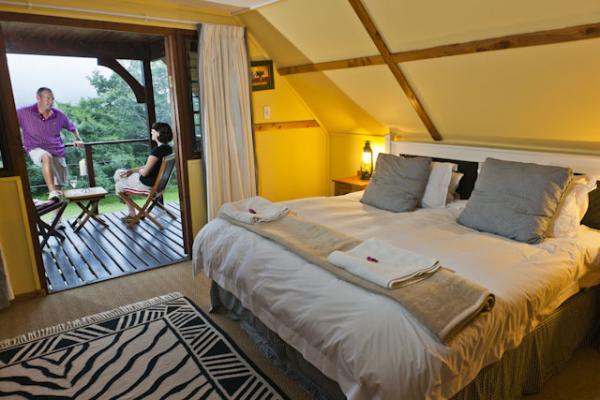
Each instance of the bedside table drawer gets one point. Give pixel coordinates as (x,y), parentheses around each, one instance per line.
(348,185)
(343,188)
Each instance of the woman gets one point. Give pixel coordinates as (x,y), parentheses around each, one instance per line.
(143,178)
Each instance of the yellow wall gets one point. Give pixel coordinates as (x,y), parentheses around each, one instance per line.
(15,238)
(348,125)
(346,152)
(292,163)
(336,111)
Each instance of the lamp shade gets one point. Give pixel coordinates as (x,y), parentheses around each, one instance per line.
(366,166)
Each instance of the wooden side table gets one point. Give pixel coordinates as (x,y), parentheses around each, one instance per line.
(348,185)
(89,210)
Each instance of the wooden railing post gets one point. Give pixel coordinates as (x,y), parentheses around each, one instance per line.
(89,164)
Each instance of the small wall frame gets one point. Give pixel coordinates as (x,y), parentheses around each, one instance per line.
(262,75)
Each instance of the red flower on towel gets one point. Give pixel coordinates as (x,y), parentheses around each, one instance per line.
(371,259)
(252,211)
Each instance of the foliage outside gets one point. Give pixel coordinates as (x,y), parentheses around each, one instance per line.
(113,115)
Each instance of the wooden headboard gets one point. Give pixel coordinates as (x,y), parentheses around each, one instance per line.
(468,159)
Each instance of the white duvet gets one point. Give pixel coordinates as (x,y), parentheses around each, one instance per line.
(368,343)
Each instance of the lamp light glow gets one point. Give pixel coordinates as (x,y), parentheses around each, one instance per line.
(366,166)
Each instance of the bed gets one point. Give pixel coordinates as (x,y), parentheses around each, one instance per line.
(368,344)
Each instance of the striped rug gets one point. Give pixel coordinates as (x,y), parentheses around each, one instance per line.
(162,348)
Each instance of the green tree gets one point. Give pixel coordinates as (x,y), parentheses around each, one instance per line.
(112,115)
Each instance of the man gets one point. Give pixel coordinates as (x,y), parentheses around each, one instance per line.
(41,125)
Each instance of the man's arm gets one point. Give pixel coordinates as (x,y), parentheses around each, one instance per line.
(78,142)
(70,126)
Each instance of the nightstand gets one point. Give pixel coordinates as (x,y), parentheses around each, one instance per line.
(348,185)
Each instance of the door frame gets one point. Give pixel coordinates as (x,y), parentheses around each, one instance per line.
(175,56)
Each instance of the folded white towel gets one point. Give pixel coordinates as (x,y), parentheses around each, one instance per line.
(383,264)
(253,210)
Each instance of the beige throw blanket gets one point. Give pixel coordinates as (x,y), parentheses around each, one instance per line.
(444,302)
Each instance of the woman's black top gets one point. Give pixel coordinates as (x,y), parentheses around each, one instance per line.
(159,151)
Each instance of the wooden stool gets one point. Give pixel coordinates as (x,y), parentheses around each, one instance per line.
(46,230)
(87,200)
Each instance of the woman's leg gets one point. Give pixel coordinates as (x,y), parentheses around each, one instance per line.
(133,182)
(119,180)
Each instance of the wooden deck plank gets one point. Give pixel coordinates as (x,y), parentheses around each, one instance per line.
(95,229)
(79,263)
(144,249)
(98,253)
(174,205)
(160,240)
(173,226)
(113,268)
(136,254)
(150,238)
(135,237)
(92,262)
(64,265)
(166,237)
(175,208)
(52,272)
(173,232)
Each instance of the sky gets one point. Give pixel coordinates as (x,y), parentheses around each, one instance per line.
(66,76)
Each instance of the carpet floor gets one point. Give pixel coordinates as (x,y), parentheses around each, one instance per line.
(163,348)
(579,380)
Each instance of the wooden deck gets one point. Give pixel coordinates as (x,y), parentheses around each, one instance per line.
(97,253)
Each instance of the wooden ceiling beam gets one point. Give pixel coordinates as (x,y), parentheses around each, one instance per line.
(369,25)
(551,36)
(76,48)
(117,68)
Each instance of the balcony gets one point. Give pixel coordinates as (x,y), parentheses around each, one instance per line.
(97,253)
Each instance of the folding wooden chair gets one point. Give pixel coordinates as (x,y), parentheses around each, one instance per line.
(45,230)
(153,196)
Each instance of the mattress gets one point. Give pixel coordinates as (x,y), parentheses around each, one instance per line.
(368,343)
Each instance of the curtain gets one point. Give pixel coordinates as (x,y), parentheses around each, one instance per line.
(6,294)
(228,144)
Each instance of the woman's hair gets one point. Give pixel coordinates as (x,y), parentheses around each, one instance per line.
(165,134)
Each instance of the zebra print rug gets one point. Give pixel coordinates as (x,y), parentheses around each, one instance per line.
(162,348)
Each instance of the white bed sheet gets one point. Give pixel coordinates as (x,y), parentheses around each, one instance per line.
(368,343)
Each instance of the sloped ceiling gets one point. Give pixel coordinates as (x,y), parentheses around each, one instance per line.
(544,96)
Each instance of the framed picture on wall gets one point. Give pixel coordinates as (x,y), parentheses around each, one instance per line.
(262,75)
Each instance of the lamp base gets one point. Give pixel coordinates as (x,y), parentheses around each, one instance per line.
(365,176)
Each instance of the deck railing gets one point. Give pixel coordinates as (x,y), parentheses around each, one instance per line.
(89,157)
(89,154)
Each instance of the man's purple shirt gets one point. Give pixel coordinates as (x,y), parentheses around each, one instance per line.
(44,133)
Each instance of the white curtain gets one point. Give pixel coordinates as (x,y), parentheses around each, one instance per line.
(226,115)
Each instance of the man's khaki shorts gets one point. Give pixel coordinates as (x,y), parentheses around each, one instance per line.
(59,165)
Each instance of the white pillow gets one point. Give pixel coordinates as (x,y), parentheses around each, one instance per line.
(454,181)
(572,207)
(436,190)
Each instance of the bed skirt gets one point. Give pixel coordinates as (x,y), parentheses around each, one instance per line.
(520,371)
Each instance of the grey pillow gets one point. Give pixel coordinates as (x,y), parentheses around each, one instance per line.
(515,200)
(398,183)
